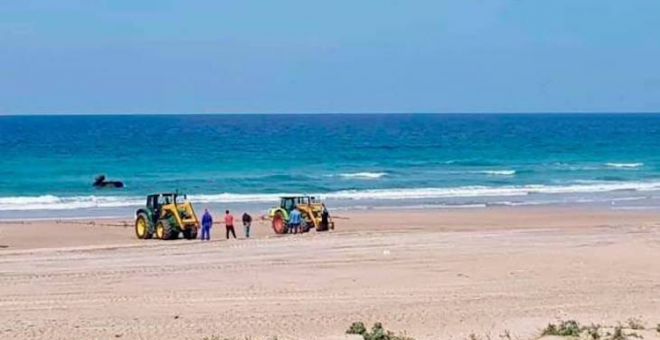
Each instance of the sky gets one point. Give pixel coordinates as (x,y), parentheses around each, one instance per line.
(262,56)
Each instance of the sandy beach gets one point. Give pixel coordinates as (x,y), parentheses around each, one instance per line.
(435,274)
(481,170)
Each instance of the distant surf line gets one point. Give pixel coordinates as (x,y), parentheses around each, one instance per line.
(51,202)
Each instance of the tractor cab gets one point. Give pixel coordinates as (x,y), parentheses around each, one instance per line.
(289,202)
(156,202)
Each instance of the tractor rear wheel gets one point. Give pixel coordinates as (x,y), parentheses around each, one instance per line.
(279,226)
(166,231)
(142,226)
(190,233)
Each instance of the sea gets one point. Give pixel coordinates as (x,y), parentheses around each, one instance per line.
(352,161)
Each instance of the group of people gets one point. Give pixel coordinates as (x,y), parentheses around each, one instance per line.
(207,224)
(294,226)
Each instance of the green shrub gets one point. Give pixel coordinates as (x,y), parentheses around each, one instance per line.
(357,328)
(618,333)
(593,331)
(378,332)
(635,324)
(565,328)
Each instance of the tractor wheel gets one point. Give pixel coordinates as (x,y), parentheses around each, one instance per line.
(305,226)
(165,231)
(321,227)
(305,222)
(142,227)
(279,226)
(190,233)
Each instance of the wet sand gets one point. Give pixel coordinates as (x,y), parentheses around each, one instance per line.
(436,274)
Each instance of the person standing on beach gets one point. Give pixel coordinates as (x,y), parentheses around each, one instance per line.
(247,221)
(294,221)
(325,218)
(229,224)
(207,223)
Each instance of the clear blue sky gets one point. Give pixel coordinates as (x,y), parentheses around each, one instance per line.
(118,56)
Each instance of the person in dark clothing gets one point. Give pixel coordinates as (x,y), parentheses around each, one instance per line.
(325,218)
(229,224)
(207,223)
(247,222)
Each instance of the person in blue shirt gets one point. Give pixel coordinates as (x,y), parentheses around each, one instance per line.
(207,223)
(295,218)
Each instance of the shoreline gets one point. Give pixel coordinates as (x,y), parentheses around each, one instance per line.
(640,194)
(384,210)
(650,204)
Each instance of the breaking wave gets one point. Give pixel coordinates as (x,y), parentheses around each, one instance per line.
(625,165)
(498,172)
(50,202)
(486,191)
(363,175)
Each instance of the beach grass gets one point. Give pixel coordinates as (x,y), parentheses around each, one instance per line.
(378,332)
(569,329)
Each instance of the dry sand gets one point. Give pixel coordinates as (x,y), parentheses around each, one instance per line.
(436,274)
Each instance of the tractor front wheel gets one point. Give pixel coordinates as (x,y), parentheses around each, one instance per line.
(279,226)
(165,231)
(142,230)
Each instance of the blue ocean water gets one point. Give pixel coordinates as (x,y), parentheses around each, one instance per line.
(353,160)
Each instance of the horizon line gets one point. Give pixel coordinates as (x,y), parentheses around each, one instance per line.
(326,113)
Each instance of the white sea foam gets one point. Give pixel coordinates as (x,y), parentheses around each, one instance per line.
(236,198)
(649,207)
(498,172)
(49,202)
(363,175)
(625,165)
(483,191)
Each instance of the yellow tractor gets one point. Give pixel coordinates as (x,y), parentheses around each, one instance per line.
(165,217)
(310,208)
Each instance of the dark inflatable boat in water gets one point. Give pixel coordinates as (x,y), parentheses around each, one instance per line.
(100,182)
